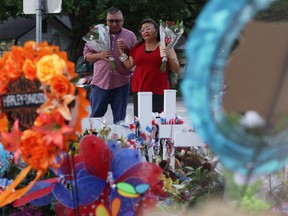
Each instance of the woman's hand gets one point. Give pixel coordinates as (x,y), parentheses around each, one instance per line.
(173,60)
(169,52)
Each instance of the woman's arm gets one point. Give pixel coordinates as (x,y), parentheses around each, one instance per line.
(127,61)
(174,65)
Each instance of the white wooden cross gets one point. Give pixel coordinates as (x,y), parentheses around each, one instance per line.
(181,135)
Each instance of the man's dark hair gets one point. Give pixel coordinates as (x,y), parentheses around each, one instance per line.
(114,11)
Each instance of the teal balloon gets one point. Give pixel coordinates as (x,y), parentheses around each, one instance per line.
(207,50)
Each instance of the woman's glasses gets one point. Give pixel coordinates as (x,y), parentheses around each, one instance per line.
(148,29)
(114,20)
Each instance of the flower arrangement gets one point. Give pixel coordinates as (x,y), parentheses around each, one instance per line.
(105,177)
(57,118)
(98,38)
(170,32)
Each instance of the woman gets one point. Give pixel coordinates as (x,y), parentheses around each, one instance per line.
(145,56)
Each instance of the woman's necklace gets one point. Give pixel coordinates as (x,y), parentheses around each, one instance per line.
(151,47)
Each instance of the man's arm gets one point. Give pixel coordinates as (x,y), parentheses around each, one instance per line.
(92,56)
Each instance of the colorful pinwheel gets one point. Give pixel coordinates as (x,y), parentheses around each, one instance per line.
(71,188)
(102,173)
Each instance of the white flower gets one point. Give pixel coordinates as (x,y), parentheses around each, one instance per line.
(252,119)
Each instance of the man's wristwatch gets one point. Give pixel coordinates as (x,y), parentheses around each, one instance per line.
(123,57)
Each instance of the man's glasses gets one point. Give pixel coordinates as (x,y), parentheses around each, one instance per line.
(114,20)
(148,29)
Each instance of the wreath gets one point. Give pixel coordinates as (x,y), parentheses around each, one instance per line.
(59,105)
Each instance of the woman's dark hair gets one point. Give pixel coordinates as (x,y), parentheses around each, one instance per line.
(151,21)
(148,20)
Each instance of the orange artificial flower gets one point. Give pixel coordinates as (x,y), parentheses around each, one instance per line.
(13,71)
(49,66)
(61,86)
(29,50)
(11,140)
(4,80)
(4,74)
(29,69)
(54,128)
(15,62)
(44,119)
(2,63)
(3,122)
(4,58)
(71,70)
(60,105)
(44,49)
(80,110)
(3,87)
(35,151)
(56,136)
(30,45)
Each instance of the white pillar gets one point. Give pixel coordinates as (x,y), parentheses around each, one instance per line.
(164,151)
(39,8)
(172,158)
(170,103)
(145,109)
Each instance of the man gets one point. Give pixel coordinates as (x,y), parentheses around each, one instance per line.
(111,84)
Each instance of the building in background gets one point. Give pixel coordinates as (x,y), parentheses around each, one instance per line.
(56,30)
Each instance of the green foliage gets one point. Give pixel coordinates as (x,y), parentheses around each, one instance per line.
(197,180)
(234,118)
(83,13)
(10,8)
(245,195)
(5,46)
(203,185)
(277,12)
(236,192)
(253,204)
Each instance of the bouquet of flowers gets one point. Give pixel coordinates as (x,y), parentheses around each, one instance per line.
(98,38)
(170,32)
